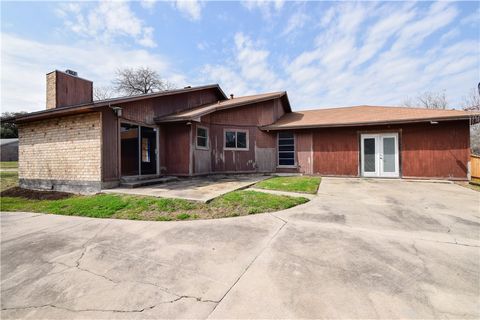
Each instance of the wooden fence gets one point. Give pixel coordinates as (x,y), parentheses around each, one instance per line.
(475,166)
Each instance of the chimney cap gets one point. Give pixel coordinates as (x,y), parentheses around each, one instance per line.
(71,72)
(231,95)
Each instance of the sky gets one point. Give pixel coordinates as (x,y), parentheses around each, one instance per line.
(324,54)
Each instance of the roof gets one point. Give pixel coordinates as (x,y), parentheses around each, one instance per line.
(191,114)
(363,115)
(4,142)
(86,107)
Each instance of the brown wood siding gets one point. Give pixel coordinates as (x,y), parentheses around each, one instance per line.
(71,90)
(262,145)
(426,151)
(144,111)
(335,152)
(436,151)
(110,163)
(303,149)
(176,141)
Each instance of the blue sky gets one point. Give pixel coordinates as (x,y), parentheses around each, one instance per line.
(325,54)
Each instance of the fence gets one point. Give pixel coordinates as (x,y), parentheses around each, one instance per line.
(475,166)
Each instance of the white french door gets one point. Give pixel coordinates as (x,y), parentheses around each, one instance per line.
(379,155)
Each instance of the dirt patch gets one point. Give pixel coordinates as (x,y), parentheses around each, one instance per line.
(17,192)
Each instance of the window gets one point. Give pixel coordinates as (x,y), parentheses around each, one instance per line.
(202,138)
(286,149)
(236,140)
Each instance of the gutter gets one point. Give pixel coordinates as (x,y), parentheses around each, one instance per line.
(358,124)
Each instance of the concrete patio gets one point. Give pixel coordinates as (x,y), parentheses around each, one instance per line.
(202,189)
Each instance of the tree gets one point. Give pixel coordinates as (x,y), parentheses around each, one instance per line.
(102,93)
(8,129)
(471,102)
(429,100)
(140,81)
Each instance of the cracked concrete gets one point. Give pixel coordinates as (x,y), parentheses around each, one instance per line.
(360,249)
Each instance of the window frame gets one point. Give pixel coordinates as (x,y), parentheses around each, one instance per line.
(207,137)
(294,151)
(236,140)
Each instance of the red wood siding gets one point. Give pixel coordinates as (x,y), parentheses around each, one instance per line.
(72,90)
(335,152)
(435,151)
(426,151)
(176,149)
(110,152)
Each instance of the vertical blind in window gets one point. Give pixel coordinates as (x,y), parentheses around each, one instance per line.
(286,149)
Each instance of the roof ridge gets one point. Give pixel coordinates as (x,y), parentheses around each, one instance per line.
(383,107)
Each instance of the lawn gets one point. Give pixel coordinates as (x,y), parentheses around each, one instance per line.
(8,179)
(293,184)
(236,203)
(8,164)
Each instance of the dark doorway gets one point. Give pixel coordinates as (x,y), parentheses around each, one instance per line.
(148,148)
(129,135)
(138,150)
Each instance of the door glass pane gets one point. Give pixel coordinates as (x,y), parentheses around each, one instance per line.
(369,155)
(129,145)
(148,154)
(389,154)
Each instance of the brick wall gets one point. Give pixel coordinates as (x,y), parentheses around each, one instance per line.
(51,90)
(62,153)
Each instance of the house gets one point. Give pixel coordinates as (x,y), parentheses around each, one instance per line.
(82,145)
(9,149)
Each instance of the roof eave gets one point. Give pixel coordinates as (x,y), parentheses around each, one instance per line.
(358,124)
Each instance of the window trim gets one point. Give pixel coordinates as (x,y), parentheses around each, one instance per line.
(196,138)
(294,152)
(235,130)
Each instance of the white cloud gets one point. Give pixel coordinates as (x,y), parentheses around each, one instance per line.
(249,69)
(266,7)
(296,22)
(148,4)
(25,62)
(192,9)
(106,21)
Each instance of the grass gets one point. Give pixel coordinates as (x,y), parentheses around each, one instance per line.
(8,179)
(293,184)
(8,165)
(149,208)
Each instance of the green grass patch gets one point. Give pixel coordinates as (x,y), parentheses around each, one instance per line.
(8,179)
(8,164)
(302,184)
(149,208)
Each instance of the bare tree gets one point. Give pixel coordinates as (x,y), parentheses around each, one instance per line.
(102,93)
(428,99)
(471,102)
(140,81)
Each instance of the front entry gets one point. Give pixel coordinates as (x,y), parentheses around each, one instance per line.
(379,155)
(138,150)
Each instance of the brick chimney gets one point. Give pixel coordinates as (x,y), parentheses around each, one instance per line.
(67,89)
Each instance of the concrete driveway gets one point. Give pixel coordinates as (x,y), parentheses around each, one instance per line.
(361,249)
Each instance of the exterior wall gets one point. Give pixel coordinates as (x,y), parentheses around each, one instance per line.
(9,152)
(304,151)
(438,151)
(61,154)
(261,154)
(110,147)
(67,90)
(175,146)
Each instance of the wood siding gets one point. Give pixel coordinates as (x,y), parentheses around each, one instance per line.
(110,146)
(261,153)
(335,152)
(175,145)
(436,151)
(304,150)
(71,90)
(426,151)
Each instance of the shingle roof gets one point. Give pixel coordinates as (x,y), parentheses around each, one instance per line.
(86,107)
(363,115)
(220,105)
